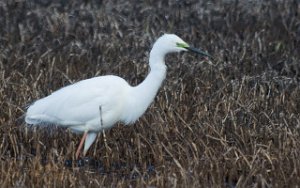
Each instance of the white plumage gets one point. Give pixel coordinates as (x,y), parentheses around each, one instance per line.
(77,106)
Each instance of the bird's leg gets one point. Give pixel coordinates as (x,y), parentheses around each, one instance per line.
(81,144)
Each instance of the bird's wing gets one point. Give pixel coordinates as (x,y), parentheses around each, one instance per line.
(79,104)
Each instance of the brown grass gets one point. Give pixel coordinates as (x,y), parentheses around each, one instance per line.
(234,123)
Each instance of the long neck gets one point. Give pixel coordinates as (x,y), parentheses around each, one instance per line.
(143,94)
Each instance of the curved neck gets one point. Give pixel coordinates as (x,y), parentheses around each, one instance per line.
(149,87)
(143,94)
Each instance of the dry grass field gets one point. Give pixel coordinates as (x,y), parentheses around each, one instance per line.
(234,123)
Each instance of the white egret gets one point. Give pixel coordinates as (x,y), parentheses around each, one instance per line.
(92,105)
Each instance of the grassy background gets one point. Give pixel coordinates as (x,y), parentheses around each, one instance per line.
(234,123)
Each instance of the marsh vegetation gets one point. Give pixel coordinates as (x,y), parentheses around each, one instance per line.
(233,123)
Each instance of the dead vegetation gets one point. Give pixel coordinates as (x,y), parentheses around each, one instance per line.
(234,123)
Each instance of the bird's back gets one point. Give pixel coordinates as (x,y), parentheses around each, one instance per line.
(78,105)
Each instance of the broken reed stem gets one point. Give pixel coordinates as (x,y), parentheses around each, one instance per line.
(104,136)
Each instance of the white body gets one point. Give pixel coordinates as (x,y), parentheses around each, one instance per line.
(77,106)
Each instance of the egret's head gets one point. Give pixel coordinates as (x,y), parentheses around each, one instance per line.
(172,43)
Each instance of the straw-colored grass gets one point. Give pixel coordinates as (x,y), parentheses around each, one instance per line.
(233,123)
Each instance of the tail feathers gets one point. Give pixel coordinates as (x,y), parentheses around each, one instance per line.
(42,120)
